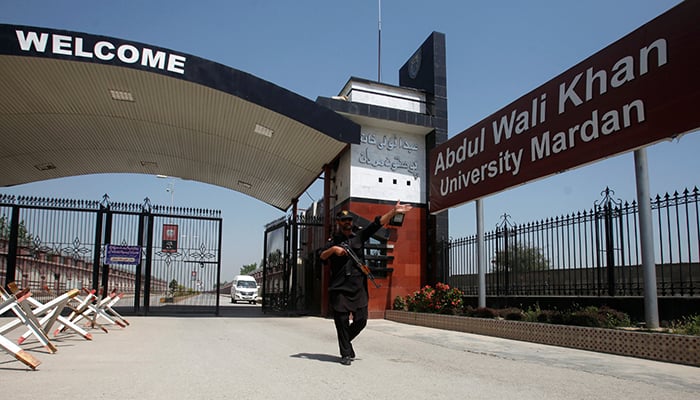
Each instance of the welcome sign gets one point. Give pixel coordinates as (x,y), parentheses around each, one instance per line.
(84,47)
(641,89)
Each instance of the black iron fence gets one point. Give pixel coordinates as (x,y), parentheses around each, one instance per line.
(588,253)
(173,255)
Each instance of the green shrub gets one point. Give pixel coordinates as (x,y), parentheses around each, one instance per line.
(560,317)
(547,316)
(399,304)
(420,301)
(442,300)
(614,318)
(511,314)
(603,317)
(689,325)
(532,313)
(445,300)
(481,312)
(589,316)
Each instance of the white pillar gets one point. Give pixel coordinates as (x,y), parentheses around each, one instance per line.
(646,233)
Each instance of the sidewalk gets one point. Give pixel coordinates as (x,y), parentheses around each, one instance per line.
(257,357)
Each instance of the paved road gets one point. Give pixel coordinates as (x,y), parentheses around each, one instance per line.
(247,355)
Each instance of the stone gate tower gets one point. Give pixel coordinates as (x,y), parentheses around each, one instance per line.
(400,124)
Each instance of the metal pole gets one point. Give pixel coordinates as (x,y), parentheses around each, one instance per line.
(327,221)
(265,288)
(107,240)
(98,247)
(651,309)
(379,45)
(148,269)
(294,265)
(481,252)
(610,247)
(218,268)
(12,247)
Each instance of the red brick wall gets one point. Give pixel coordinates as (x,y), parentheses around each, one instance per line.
(409,253)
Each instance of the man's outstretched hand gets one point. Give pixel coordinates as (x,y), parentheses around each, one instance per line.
(402,208)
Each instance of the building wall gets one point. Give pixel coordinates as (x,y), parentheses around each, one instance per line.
(389,164)
(409,256)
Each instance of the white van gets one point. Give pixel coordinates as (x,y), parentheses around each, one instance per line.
(244,288)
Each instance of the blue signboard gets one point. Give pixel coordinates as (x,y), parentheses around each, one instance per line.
(129,255)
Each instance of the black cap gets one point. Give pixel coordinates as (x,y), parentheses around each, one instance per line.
(344,214)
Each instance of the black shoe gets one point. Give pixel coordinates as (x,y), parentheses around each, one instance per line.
(345,360)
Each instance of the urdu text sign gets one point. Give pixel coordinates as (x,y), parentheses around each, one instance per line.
(639,90)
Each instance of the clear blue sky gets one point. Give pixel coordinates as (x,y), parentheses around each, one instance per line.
(497,51)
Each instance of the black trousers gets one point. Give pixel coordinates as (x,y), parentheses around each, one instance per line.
(348,331)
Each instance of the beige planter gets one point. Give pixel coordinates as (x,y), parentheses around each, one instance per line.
(680,349)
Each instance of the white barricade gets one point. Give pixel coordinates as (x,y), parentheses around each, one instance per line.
(10,302)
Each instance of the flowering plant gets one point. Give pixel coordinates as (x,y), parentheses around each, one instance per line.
(442,299)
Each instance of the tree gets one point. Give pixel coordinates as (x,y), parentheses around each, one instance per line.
(521,258)
(247,269)
(4,228)
(173,287)
(24,238)
(275,259)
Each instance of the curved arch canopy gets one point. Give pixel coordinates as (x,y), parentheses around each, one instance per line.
(76,104)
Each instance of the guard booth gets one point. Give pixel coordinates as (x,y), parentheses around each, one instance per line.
(159,259)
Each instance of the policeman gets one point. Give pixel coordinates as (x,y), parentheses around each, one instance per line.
(348,285)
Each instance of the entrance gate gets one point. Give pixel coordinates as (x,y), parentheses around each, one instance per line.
(291,276)
(169,259)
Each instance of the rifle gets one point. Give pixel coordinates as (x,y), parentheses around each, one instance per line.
(364,268)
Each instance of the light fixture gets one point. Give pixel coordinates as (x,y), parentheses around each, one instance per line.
(121,95)
(245,184)
(45,166)
(262,130)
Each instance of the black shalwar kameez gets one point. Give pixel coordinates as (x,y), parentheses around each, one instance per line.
(348,287)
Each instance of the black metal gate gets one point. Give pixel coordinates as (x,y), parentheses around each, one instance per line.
(161,260)
(291,267)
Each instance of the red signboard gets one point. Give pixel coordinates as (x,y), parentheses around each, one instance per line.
(169,238)
(641,89)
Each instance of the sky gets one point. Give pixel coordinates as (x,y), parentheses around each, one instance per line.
(497,50)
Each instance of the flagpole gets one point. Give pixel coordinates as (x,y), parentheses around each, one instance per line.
(379,46)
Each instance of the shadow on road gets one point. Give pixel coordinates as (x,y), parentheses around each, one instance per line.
(317,357)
